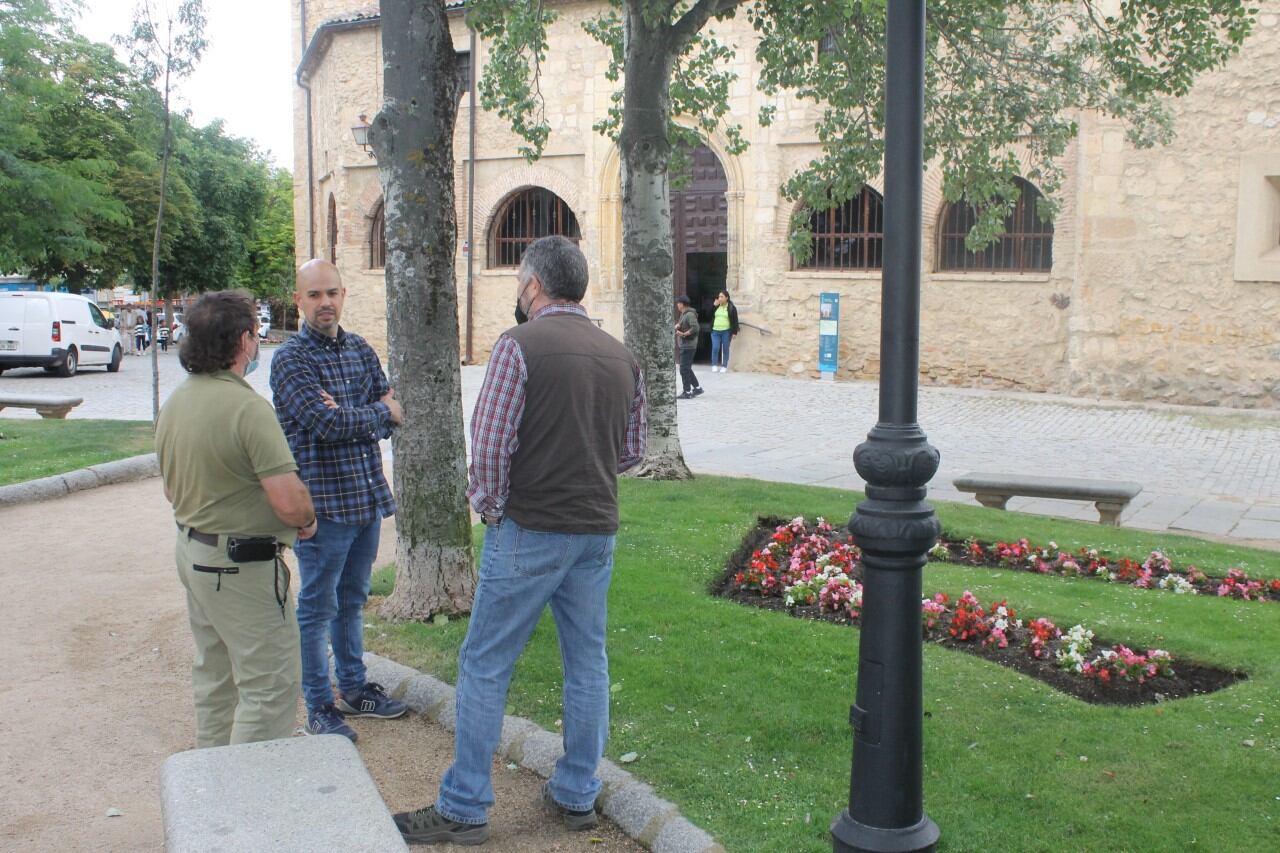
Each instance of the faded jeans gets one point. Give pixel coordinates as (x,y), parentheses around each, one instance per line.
(335,566)
(521,572)
(720,347)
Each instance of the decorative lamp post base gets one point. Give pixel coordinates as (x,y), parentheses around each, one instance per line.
(853,837)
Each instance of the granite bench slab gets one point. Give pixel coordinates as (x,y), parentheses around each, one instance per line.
(47,407)
(994,490)
(294,795)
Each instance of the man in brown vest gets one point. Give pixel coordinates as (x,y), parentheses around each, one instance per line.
(560,415)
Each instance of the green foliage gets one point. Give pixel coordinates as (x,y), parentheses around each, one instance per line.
(81,148)
(268,267)
(739,711)
(1003,80)
(52,198)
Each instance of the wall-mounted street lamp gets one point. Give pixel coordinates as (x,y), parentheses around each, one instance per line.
(361,134)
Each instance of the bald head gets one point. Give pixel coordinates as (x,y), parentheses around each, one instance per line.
(319,294)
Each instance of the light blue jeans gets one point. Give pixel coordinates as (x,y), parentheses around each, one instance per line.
(720,347)
(521,572)
(335,565)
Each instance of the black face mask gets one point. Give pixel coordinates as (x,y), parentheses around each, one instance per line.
(521,316)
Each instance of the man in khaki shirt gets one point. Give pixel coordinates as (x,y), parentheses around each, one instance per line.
(230,475)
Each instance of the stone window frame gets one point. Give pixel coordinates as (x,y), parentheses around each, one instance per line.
(991,260)
(1257,254)
(868,204)
(505,252)
(378,237)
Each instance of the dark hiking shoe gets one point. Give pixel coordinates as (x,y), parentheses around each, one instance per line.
(697,391)
(685,396)
(428,826)
(575,821)
(327,721)
(371,701)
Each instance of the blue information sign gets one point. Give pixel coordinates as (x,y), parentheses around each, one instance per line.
(828,333)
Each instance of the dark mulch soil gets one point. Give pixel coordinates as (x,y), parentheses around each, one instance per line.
(1189,678)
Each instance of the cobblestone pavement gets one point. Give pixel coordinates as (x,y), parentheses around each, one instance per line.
(1203,470)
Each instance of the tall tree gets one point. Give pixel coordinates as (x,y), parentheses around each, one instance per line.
(55,198)
(268,268)
(164,45)
(999,75)
(413,139)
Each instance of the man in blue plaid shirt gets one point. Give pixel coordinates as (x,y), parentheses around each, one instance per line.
(334,403)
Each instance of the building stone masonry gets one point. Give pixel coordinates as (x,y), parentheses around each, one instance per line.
(629,803)
(1164,284)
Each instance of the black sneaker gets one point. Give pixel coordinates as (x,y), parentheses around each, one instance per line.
(685,396)
(327,721)
(697,391)
(428,826)
(575,821)
(371,701)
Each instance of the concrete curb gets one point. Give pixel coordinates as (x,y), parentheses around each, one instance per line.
(60,485)
(628,802)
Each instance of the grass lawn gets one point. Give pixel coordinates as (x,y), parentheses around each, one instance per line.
(31,449)
(740,716)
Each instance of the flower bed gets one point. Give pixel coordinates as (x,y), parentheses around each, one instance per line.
(1156,571)
(813,571)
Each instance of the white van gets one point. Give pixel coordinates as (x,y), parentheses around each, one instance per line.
(60,332)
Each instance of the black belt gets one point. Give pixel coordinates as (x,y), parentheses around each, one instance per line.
(210,539)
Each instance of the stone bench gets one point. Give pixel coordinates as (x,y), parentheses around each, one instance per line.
(48,407)
(296,794)
(994,490)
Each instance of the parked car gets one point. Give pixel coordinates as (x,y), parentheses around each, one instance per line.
(264,325)
(60,332)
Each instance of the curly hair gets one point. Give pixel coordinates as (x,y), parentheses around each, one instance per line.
(214,326)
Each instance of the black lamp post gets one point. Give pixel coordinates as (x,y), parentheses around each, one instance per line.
(894,526)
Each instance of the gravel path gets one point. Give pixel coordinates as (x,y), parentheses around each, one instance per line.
(97,693)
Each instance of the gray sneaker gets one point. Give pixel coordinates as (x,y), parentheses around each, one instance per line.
(575,821)
(428,826)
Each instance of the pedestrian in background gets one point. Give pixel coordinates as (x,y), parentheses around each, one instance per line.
(335,403)
(238,502)
(142,333)
(687,329)
(127,325)
(724,326)
(560,414)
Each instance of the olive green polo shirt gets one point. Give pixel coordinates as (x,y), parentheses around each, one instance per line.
(216,439)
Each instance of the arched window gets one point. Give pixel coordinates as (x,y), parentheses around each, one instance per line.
(525,216)
(1025,245)
(378,239)
(849,236)
(333,229)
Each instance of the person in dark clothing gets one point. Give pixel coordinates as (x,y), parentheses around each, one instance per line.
(687,339)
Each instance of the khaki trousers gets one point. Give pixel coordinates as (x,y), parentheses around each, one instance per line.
(247,669)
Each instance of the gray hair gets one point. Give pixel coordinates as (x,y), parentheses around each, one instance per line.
(559,264)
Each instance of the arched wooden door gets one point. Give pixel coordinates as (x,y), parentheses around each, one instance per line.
(700,236)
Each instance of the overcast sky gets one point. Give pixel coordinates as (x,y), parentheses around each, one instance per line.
(246,75)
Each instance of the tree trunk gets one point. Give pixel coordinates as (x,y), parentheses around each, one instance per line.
(413,139)
(155,251)
(647,258)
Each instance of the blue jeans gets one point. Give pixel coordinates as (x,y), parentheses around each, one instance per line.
(335,565)
(720,348)
(522,571)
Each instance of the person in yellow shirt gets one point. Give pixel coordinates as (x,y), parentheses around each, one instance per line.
(724,325)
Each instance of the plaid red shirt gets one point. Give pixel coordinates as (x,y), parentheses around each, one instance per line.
(496,421)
